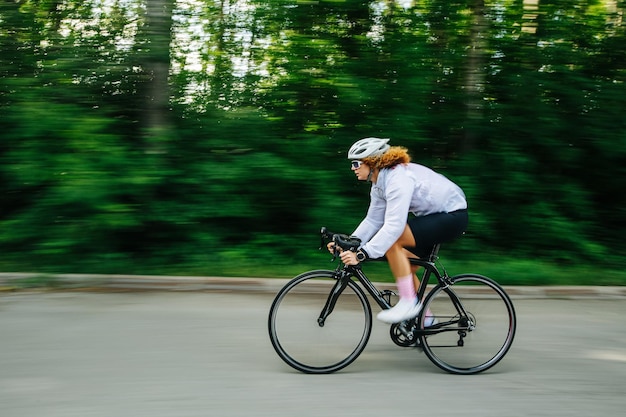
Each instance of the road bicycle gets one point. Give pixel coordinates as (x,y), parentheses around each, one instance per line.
(321,320)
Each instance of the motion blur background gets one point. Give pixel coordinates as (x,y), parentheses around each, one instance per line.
(208,137)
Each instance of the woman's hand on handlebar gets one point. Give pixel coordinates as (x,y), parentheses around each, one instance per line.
(331,247)
(347,256)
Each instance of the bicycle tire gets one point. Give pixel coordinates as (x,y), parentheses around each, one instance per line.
(457,346)
(300,340)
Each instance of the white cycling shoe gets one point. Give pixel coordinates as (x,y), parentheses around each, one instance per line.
(405,309)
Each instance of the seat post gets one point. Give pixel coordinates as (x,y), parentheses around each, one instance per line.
(434,254)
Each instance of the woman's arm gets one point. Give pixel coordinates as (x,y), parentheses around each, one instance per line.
(398,192)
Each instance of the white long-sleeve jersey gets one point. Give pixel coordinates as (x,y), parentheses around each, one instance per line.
(398,191)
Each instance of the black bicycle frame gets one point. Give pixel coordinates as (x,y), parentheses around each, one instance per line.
(342,281)
(345,273)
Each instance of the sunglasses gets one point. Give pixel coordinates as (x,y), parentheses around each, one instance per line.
(356,164)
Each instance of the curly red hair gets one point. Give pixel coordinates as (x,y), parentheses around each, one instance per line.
(394,156)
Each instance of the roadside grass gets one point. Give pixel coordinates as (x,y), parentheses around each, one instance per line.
(506,271)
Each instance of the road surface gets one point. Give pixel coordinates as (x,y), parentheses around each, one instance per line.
(188,354)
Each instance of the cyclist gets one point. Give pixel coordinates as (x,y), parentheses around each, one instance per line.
(411,209)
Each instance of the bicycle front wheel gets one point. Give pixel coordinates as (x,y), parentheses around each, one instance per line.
(309,344)
(468,326)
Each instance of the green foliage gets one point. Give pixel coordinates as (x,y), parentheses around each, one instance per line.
(229,158)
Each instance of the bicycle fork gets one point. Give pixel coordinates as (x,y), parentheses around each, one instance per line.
(340,285)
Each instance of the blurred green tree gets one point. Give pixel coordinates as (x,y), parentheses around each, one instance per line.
(192,135)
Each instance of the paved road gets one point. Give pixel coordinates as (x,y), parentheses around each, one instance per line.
(186,354)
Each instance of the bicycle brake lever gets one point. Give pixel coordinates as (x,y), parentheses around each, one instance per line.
(335,253)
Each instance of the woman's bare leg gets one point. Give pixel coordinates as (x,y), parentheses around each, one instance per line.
(397,255)
(408,305)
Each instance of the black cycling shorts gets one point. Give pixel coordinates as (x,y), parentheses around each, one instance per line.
(436,228)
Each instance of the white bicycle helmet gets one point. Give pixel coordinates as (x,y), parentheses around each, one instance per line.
(368,147)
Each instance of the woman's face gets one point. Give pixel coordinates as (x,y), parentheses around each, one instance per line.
(361,170)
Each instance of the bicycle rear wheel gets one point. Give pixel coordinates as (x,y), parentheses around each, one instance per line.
(299,338)
(474,324)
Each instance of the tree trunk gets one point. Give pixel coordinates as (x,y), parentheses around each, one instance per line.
(475,73)
(156,64)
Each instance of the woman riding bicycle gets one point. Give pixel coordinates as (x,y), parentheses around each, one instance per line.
(399,188)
